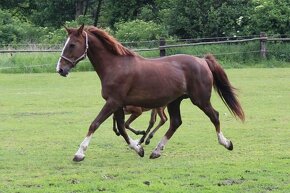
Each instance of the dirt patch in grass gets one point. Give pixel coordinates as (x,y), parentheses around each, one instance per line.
(230,182)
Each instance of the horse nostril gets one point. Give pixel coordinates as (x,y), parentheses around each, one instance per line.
(60,70)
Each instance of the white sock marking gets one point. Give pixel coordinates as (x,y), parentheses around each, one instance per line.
(222,140)
(83,146)
(134,144)
(161,145)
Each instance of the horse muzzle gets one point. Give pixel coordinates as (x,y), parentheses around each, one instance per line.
(63,72)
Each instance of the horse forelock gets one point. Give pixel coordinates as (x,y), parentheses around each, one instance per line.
(110,42)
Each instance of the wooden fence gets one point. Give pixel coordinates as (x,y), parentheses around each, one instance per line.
(263,43)
(163,45)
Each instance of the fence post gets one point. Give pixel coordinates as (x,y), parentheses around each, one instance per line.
(162,42)
(263,41)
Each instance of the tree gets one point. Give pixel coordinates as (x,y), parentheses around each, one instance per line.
(52,13)
(97,12)
(13,30)
(127,10)
(198,18)
(138,30)
(271,16)
(81,7)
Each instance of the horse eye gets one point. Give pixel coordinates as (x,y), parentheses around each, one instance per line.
(72,45)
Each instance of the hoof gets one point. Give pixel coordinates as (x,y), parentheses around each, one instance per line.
(141,152)
(78,158)
(141,141)
(154,155)
(231,146)
(147,142)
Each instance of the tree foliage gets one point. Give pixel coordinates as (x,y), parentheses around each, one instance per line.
(13,30)
(34,21)
(271,16)
(138,30)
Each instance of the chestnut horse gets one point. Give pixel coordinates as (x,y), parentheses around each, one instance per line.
(129,79)
(135,112)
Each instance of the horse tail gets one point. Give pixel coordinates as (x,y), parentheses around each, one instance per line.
(224,88)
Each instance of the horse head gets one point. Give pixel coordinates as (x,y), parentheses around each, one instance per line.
(74,50)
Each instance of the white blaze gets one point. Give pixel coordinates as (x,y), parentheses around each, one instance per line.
(58,63)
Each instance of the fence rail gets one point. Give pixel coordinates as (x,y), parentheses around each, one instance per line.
(163,44)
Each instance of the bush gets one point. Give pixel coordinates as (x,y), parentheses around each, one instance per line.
(139,30)
(58,36)
(14,30)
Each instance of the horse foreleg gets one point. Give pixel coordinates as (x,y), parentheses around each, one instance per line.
(175,122)
(106,111)
(163,119)
(119,116)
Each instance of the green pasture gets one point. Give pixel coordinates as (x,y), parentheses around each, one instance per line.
(44,117)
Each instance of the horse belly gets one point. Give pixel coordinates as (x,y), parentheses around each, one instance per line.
(148,102)
(156,91)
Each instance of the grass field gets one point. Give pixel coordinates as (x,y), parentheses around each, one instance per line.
(44,117)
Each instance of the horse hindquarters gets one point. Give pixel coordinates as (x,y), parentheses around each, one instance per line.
(211,74)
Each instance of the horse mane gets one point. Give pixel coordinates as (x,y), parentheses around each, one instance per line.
(110,42)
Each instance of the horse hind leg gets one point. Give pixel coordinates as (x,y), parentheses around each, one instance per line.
(163,119)
(151,124)
(115,127)
(132,117)
(214,117)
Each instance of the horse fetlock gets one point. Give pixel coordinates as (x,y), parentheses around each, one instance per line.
(140,133)
(141,141)
(150,135)
(155,154)
(224,141)
(84,147)
(138,148)
(147,142)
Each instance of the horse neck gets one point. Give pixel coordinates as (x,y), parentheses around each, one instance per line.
(100,58)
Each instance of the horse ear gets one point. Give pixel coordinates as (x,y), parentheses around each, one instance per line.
(80,30)
(67,29)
